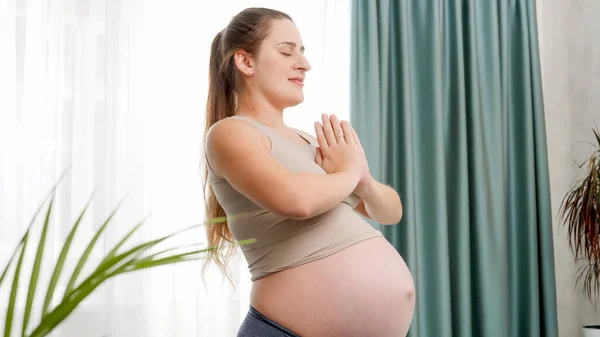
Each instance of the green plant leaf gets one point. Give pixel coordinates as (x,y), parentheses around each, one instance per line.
(110,261)
(15,286)
(83,259)
(106,270)
(108,265)
(155,255)
(113,264)
(31,223)
(113,251)
(153,260)
(216,220)
(61,261)
(21,248)
(35,272)
(62,310)
(14,254)
(149,263)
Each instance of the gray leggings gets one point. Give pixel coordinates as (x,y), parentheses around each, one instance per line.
(257,325)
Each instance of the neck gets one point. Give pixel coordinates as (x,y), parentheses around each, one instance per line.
(260,109)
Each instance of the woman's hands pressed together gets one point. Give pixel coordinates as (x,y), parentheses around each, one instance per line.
(339,148)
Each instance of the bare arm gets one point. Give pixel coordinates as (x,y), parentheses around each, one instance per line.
(379,202)
(239,153)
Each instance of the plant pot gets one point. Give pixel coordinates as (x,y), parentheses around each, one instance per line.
(590,331)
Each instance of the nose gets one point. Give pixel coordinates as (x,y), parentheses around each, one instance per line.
(303,64)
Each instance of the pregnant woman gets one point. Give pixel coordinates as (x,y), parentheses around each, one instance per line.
(318,268)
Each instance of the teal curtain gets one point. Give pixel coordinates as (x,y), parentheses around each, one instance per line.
(447,100)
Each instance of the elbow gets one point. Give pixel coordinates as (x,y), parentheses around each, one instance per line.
(398,215)
(394,218)
(298,210)
(299,214)
(291,206)
(296,206)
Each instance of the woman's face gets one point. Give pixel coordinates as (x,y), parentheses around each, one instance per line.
(278,71)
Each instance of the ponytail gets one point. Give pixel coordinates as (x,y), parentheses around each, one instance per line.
(220,105)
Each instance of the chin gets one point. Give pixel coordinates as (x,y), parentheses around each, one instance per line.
(288,98)
(292,101)
(297,98)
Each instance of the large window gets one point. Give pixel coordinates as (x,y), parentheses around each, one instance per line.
(118,89)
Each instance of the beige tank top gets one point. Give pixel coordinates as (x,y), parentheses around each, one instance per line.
(281,243)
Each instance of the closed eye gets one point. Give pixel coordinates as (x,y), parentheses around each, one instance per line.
(286,54)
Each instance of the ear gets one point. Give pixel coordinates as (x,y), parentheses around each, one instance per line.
(244,62)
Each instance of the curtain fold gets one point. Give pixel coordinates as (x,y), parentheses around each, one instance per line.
(446,97)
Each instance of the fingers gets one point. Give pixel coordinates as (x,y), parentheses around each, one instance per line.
(334,131)
(356,140)
(348,132)
(337,129)
(320,135)
(328,130)
(319,157)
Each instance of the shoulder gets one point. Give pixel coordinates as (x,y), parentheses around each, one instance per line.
(233,140)
(230,132)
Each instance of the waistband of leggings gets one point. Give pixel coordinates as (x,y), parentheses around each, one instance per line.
(265,319)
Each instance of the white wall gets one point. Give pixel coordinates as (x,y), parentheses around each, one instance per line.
(569,33)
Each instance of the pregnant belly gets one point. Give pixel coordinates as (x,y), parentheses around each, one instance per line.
(363,290)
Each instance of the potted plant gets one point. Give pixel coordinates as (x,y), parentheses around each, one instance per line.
(117,261)
(580,211)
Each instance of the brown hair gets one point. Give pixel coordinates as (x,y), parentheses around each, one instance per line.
(245,31)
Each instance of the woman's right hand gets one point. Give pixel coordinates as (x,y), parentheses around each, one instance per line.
(338,150)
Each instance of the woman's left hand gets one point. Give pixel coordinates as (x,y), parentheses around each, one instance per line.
(336,124)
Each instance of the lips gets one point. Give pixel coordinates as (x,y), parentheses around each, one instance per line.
(297,80)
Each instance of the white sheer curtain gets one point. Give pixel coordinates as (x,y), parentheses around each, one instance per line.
(116,90)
